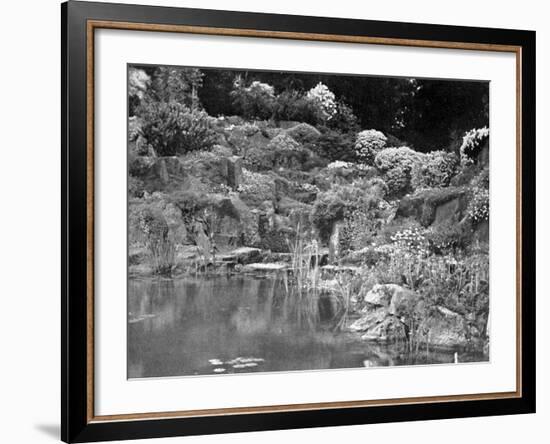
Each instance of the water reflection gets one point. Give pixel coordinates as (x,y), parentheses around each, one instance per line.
(243,324)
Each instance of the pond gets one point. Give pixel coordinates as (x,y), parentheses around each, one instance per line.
(241,323)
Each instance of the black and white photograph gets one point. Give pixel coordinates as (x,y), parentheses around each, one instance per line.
(282,221)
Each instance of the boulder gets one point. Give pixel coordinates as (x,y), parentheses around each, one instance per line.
(243,255)
(391,296)
(369,320)
(390,329)
(446,328)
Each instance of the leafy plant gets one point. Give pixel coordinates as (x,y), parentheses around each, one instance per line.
(396,165)
(159,246)
(255,101)
(172,129)
(334,145)
(368,143)
(294,106)
(436,170)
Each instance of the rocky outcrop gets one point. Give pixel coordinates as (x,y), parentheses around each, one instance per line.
(434,205)
(389,312)
(383,320)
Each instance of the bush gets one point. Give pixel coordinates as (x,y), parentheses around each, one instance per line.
(290,154)
(448,238)
(303,133)
(436,170)
(172,129)
(256,101)
(368,143)
(472,143)
(291,105)
(339,202)
(334,145)
(324,99)
(343,120)
(396,165)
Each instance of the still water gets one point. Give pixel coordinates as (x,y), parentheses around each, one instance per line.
(239,324)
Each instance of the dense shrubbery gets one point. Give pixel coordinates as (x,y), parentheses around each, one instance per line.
(294,106)
(359,202)
(436,169)
(397,164)
(172,128)
(343,120)
(368,143)
(256,101)
(334,145)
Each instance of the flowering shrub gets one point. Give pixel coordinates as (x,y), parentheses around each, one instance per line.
(303,133)
(171,128)
(411,240)
(478,208)
(368,143)
(436,170)
(325,99)
(472,142)
(138,82)
(396,165)
(255,101)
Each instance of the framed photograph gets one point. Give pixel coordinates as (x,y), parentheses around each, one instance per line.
(276,221)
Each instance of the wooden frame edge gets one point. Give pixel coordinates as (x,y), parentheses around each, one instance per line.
(91,25)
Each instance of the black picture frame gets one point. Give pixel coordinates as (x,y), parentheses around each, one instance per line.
(76,423)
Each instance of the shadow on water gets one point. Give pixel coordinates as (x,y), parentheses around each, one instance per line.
(235,324)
